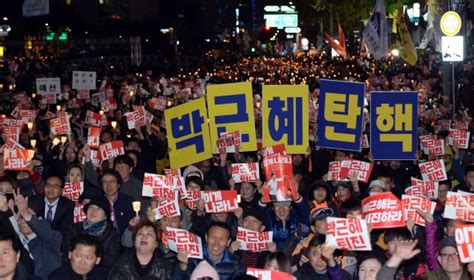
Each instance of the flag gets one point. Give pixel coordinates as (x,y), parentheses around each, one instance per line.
(433,11)
(32,8)
(340,47)
(375,32)
(407,50)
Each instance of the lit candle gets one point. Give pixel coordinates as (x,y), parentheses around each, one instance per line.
(137,205)
(58,108)
(56,141)
(131,93)
(101,112)
(114,124)
(30,125)
(33,142)
(33,95)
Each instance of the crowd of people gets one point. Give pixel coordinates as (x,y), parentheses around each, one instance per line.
(39,239)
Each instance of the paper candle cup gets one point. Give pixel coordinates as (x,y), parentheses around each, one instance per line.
(137,205)
(33,143)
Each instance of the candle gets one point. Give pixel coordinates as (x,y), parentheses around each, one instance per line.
(101,112)
(58,108)
(131,93)
(114,124)
(33,95)
(33,142)
(56,141)
(30,125)
(137,205)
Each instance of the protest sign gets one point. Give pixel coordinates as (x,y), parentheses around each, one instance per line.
(84,80)
(361,168)
(220,201)
(172,172)
(459,138)
(73,190)
(188,134)
(79,214)
(420,188)
(459,206)
(393,125)
(433,170)
(340,115)
(93,137)
(279,175)
(231,106)
(138,118)
(158,103)
(83,94)
(10,132)
(95,119)
(285,117)
(109,104)
(464,236)
(334,171)
(111,150)
(383,210)
(98,97)
(412,203)
(60,126)
(245,172)
(192,198)
(263,274)
(180,240)
(16,159)
(348,234)
(48,86)
(228,142)
(168,206)
(432,146)
(254,241)
(48,98)
(161,185)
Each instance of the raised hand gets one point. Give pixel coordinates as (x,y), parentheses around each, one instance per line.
(426,215)
(405,250)
(327,251)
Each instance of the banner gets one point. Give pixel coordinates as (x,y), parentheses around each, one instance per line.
(459,138)
(111,150)
(168,206)
(95,119)
(407,49)
(33,8)
(60,126)
(393,125)
(263,274)
(79,215)
(73,190)
(192,198)
(180,240)
(348,234)
(138,117)
(228,142)
(459,207)
(188,133)
(420,188)
(48,86)
(340,115)
(432,146)
(16,159)
(254,241)
(84,80)
(464,236)
(383,210)
(285,117)
(279,176)
(433,170)
(245,172)
(93,137)
(361,168)
(412,203)
(161,185)
(375,32)
(220,201)
(231,106)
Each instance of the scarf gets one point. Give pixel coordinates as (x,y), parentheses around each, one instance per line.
(95,229)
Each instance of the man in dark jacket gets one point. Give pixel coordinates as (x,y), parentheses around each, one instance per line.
(85,255)
(10,247)
(215,253)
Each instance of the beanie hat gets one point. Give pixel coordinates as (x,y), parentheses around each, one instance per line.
(102,202)
(204,269)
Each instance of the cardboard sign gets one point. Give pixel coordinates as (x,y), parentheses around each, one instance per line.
(160,185)
(135,119)
(279,176)
(433,147)
(340,115)
(15,159)
(168,206)
(245,172)
(79,214)
(254,241)
(459,138)
(158,103)
(93,137)
(348,234)
(192,198)
(48,86)
(220,201)
(334,171)
(412,203)
(278,149)
(180,240)
(361,168)
(420,188)
(83,94)
(433,170)
(73,190)
(60,126)
(95,119)
(464,236)
(84,80)
(263,274)
(228,142)
(95,158)
(111,150)
(11,133)
(459,206)
(383,210)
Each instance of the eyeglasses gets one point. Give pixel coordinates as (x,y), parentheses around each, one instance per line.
(447,256)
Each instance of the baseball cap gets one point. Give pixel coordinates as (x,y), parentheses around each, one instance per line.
(320,214)
(378,183)
(345,184)
(254,213)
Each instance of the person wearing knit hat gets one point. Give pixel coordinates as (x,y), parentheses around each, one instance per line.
(376,186)
(97,223)
(204,269)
